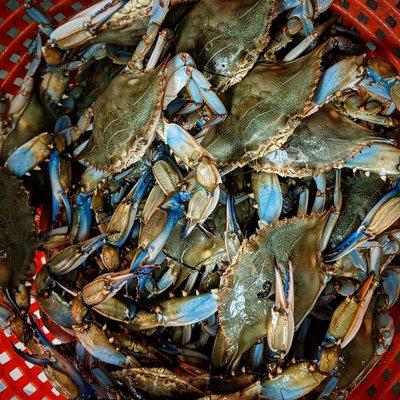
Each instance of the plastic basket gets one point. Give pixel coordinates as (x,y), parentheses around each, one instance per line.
(377,21)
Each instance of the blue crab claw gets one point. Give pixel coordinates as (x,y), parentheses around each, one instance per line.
(73,256)
(178,312)
(200,207)
(29,155)
(166,219)
(57,190)
(233,234)
(39,16)
(380,217)
(281,323)
(267,192)
(42,362)
(98,344)
(345,74)
(381,158)
(107,285)
(83,216)
(293,383)
(304,12)
(349,315)
(36,51)
(123,218)
(57,361)
(82,27)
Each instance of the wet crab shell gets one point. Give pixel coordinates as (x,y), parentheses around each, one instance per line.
(323,141)
(267,105)
(246,293)
(17,232)
(226,37)
(124,120)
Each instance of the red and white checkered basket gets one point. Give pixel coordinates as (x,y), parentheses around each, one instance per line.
(377,21)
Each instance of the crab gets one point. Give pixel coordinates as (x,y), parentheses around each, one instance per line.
(209,34)
(329,140)
(269,103)
(112,21)
(17,233)
(22,117)
(245,298)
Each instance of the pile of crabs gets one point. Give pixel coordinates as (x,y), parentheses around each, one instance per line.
(217,181)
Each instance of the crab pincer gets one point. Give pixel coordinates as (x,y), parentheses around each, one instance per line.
(73,256)
(381,216)
(281,323)
(155,234)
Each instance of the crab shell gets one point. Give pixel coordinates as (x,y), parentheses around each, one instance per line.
(125,117)
(360,194)
(17,232)
(266,107)
(323,141)
(243,313)
(30,122)
(226,37)
(158,383)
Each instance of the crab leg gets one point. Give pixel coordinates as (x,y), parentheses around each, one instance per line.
(257,355)
(380,217)
(39,16)
(71,257)
(303,202)
(293,383)
(158,13)
(151,246)
(200,207)
(348,317)
(192,154)
(21,99)
(30,154)
(178,312)
(182,72)
(123,218)
(281,323)
(387,154)
(106,286)
(233,234)
(267,192)
(97,343)
(163,41)
(58,189)
(344,74)
(334,215)
(82,27)
(83,217)
(308,40)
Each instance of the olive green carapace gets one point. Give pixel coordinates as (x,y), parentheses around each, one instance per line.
(124,120)
(29,123)
(360,194)
(322,141)
(158,383)
(247,287)
(226,37)
(17,232)
(267,105)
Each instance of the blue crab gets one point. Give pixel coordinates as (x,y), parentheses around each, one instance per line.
(17,233)
(269,103)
